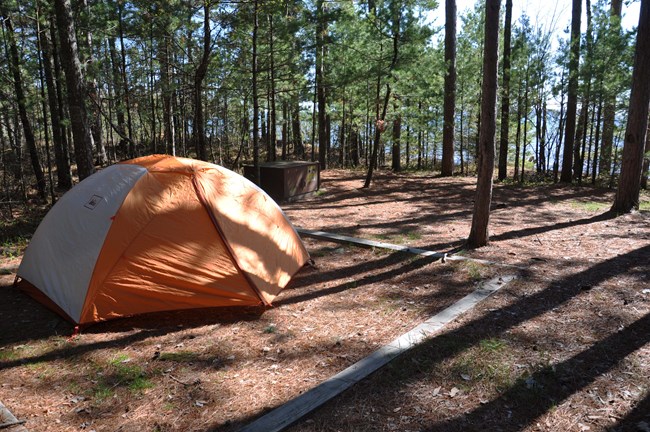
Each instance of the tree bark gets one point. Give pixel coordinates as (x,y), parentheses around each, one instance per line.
(199,123)
(627,194)
(397,136)
(14,65)
(572,97)
(321,28)
(256,102)
(450,89)
(505,92)
(83,141)
(94,94)
(298,146)
(609,110)
(646,161)
(61,157)
(479,233)
(132,150)
(273,121)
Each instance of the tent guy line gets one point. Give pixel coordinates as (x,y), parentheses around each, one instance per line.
(295,409)
(443,256)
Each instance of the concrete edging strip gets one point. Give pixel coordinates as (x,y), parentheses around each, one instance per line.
(292,411)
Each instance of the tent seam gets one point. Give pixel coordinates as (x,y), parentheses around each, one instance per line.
(215,223)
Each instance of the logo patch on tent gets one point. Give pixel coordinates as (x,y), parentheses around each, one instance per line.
(93,202)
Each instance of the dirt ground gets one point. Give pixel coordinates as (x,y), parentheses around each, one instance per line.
(566,346)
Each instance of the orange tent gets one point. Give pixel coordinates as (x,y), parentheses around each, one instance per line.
(160,233)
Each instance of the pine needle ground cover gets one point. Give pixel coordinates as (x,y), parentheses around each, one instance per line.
(566,346)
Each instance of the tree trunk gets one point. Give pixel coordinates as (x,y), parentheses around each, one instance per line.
(397,136)
(14,65)
(479,234)
(518,135)
(525,137)
(132,150)
(256,102)
(296,133)
(556,162)
(273,122)
(61,157)
(168,124)
(594,168)
(627,195)
(94,95)
(609,110)
(646,161)
(505,92)
(321,28)
(199,123)
(450,89)
(44,102)
(381,122)
(572,98)
(285,129)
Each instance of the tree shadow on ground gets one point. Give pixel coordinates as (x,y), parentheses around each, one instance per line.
(634,420)
(518,406)
(509,235)
(530,398)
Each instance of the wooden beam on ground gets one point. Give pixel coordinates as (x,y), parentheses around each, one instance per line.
(9,423)
(338,238)
(302,405)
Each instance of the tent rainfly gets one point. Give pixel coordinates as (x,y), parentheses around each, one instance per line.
(160,233)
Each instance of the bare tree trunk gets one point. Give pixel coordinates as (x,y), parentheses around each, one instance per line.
(450,89)
(61,158)
(321,29)
(93,93)
(273,121)
(556,163)
(479,233)
(14,64)
(132,150)
(256,102)
(518,135)
(525,137)
(572,98)
(594,168)
(298,146)
(83,142)
(41,73)
(646,161)
(609,110)
(168,123)
(199,123)
(627,195)
(285,129)
(505,99)
(397,136)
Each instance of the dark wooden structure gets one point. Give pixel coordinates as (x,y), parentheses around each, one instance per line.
(287,180)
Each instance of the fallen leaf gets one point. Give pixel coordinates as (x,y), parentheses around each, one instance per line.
(465,377)
(436,391)
(453,392)
(397,409)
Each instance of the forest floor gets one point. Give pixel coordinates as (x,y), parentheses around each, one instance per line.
(566,346)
